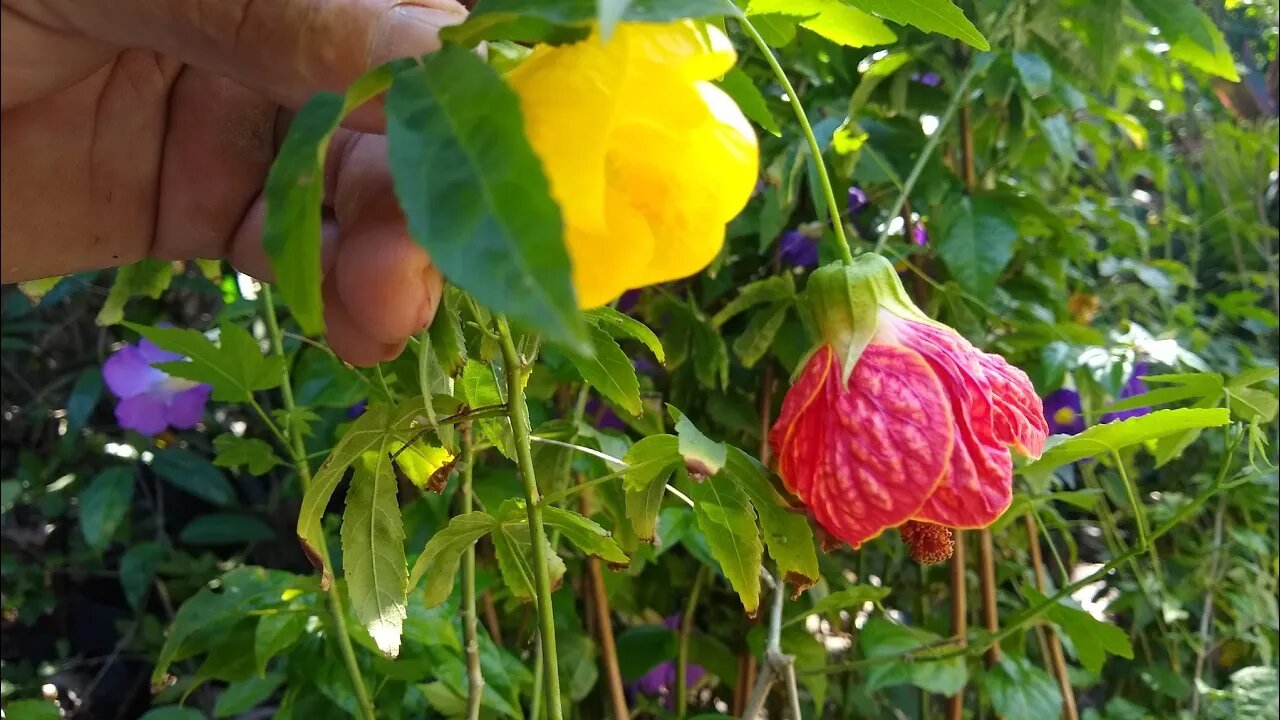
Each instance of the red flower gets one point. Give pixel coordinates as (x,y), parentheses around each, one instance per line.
(898,418)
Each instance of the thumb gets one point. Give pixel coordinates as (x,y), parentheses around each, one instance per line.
(289,50)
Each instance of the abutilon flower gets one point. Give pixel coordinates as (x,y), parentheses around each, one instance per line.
(896,421)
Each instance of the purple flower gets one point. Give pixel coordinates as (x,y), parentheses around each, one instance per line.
(357,410)
(151,400)
(759,188)
(798,249)
(1133,386)
(932,79)
(1063,413)
(628,301)
(857,200)
(660,682)
(919,235)
(645,366)
(603,417)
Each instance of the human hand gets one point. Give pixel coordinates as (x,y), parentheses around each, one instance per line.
(135,128)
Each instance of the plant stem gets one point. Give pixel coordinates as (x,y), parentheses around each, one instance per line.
(824,180)
(682,652)
(475,678)
(337,611)
(959,617)
(604,628)
(517,371)
(1056,659)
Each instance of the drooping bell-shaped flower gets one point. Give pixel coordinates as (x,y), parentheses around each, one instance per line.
(897,418)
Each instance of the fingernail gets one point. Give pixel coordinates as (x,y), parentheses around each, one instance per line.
(412,28)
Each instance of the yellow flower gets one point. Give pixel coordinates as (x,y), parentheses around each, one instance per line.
(647,159)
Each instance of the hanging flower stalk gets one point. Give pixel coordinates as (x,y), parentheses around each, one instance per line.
(896,421)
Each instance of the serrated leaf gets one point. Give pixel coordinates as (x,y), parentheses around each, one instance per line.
(758,336)
(1192,36)
(773,289)
(236,368)
(373,561)
(454,131)
(881,638)
(609,370)
(480,388)
(698,450)
(1022,691)
(585,534)
(1091,638)
(1113,436)
(1203,386)
(624,326)
(977,242)
(104,504)
(192,473)
(146,277)
(256,456)
(367,432)
(832,19)
(295,192)
(513,546)
(938,16)
(275,633)
(650,464)
(1253,405)
(787,534)
(438,562)
(446,333)
(739,86)
(728,521)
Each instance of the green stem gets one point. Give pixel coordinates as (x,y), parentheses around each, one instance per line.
(517,371)
(682,653)
(337,612)
(475,677)
(824,180)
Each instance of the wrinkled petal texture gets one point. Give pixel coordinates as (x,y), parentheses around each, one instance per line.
(647,159)
(866,456)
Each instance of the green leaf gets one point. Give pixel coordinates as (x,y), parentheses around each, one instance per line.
(242,696)
(226,529)
(870,80)
(373,561)
(977,242)
(138,569)
(1253,405)
(1192,36)
(641,648)
(238,592)
(10,491)
(1253,376)
(295,192)
(253,454)
(1255,692)
(194,474)
(787,534)
(447,340)
(146,277)
(739,86)
(474,193)
(938,16)
(569,20)
(1091,638)
(480,388)
(757,338)
(236,368)
(624,326)
(701,453)
(1021,691)
(585,534)
(650,464)
(32,710)
(608,369)
(1183,387)
(275,633)
(832,19)
(513,546)
(1058,133)
(881,638)
(438,562)
(104,504)
(83,399)
(172,712)
(728,521)
(1036,74)
(846,599)
(367,432)
(773,289)
(1112,436)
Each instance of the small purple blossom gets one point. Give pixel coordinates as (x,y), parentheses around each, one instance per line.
(660,682)
(919,235)
(1063,412)
(1132,387)
(759,188)
(603,417)
(645,366)
(152,400)
(932,79)
(857,200)
(798,249)
(357,410)
(628,301)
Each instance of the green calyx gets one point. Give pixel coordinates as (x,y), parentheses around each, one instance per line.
(845,300)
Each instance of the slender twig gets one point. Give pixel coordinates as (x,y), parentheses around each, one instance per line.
(824,180)
(987,585)
(475,677)
(777,666)
(959,617)
(517,370)
(604,629)
(682,649)
(1057,661)
(1206,617)
(337,611)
